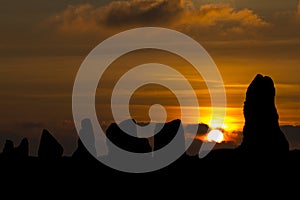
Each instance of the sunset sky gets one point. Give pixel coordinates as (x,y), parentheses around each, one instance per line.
(44,42)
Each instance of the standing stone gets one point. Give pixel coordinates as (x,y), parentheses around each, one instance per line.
(8,149)
(261,134)
(22,151)
(171,134)
(117,137)
(49,147)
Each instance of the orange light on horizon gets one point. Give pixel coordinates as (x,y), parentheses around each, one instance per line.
(233,120)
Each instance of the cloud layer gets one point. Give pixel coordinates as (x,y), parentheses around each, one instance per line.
(182,15)
(87,17)
(221,20)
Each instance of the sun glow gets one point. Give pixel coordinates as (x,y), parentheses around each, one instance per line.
(215,136)
(233,120)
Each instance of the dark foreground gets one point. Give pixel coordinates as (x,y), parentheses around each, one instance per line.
(219,175)
(217,163)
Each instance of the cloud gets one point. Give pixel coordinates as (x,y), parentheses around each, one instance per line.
(267,7)
(234,137)
(285,23)
(213,14)
(226,145)
(87,17)
(221,20)
(30,125)
(201,128)
(140,12)
(182,15)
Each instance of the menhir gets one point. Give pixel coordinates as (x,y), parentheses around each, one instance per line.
(262,135)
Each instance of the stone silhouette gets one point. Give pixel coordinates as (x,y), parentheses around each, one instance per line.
(261,133)
(19,152)
(8,149)
(167,133)
(262,138)
(22,151)
(81,152)
(49,147)
(131,143)
(87,135)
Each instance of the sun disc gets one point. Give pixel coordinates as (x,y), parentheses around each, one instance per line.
(215,136)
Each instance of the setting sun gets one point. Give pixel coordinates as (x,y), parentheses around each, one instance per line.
(215,136)
(233,120)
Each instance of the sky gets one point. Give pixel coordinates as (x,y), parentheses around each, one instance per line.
(43,43)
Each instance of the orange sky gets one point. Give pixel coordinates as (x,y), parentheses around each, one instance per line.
(43,44)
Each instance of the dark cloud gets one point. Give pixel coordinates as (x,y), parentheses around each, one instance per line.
(142,12)
(226,145)
(267,7)
(30,125)
(201,130)
(116,14)
(203,18)
(183,15)
(233,137)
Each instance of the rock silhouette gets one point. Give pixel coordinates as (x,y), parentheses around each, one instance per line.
(49,147)
(8,149)
(87,134)
(261,133)
(19,152)
(81,153)
(166,134)
(125,141)
(22,150)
